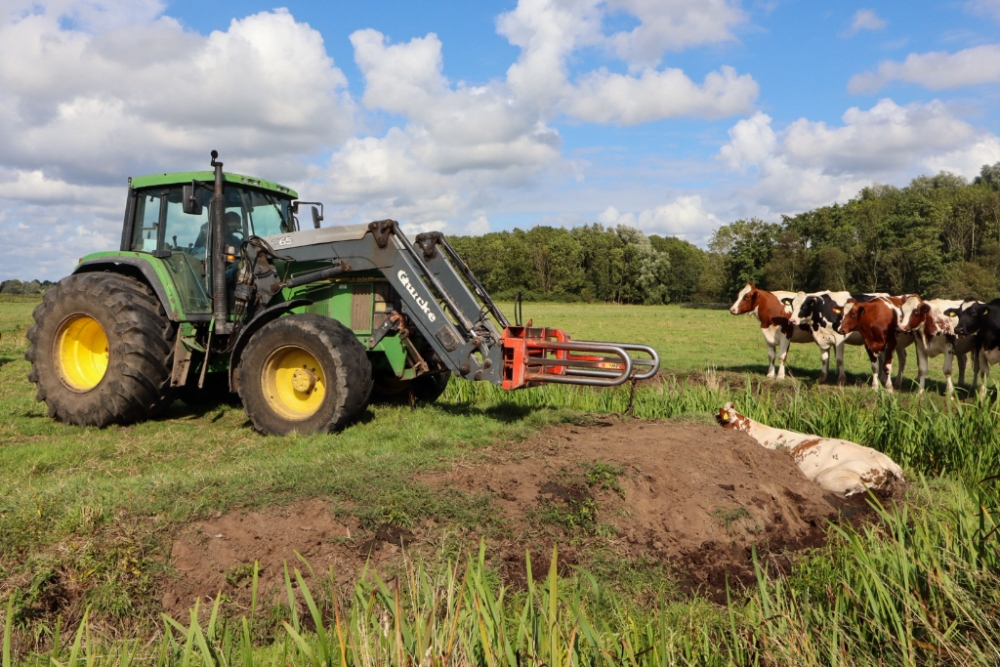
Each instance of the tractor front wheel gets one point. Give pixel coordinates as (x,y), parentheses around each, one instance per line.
(304,373)
(101,350)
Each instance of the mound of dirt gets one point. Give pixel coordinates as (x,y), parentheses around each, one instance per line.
(695,496)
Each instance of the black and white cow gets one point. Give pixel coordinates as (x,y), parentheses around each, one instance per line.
(821,313)
(981,320)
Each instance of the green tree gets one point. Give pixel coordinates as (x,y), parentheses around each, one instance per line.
(747,246)
(688,264)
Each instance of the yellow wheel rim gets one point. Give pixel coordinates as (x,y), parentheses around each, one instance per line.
(81,352)
(294,383)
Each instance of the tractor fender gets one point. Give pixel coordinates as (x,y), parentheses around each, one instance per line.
(254,325)
(143,269)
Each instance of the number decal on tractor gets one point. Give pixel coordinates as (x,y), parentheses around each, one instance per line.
(285,241)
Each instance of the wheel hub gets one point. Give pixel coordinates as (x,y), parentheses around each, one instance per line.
(81,352)
(294,383)
(303,380)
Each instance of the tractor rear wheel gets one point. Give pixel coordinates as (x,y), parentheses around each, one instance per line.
(304,373)
(101,350)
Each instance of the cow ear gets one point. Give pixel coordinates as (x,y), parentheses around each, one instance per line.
(985,310)
(838,311)
(861,310)
(924,309)
(951,312)
(787,301)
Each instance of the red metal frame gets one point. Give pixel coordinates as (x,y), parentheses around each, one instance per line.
(536,355)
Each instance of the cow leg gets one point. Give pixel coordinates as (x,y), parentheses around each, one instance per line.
(771,353)
(901,355)
(839,350)
(889,348)
(921,365)
(949,359)
(824,356)
(876,367)
(984,368)
(975,370)
(783,355)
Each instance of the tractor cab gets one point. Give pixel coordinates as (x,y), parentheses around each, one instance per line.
(168,217)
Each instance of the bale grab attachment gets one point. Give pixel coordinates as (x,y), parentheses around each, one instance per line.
(537,355)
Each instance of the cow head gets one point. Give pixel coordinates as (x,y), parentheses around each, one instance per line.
(970,317)
(729,418)
(794,306)
(850,316)
(746,300)
(914,313)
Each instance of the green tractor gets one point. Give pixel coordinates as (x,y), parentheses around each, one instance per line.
(215,288)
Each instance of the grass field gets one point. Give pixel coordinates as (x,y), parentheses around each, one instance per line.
(96,508)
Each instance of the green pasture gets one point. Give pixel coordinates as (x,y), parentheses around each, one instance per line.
(99,507)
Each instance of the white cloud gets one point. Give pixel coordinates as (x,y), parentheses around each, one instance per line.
(811,164)
(136,98)
(34,187)
(478,226)
(673,25)
(989,8)
(685,217)
(885,137)
(866,19)
(549,31)
(750,141)
(967,160)
(603,97)
(936,70)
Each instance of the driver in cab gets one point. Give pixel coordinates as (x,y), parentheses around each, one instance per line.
(234,231)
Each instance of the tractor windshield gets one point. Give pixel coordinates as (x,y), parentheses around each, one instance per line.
(267,214)
(162,224)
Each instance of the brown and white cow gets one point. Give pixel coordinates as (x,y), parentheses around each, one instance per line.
(878,321)
(840,466)
(934,332)
(773,311)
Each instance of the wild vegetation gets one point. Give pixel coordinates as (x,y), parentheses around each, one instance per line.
(939,236)
(87,514)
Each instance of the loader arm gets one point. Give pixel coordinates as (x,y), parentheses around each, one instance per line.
(442,299)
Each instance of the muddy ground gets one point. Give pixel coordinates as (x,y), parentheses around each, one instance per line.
(694,497)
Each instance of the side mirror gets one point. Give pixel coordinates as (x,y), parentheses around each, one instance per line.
(189,198)
(317,215)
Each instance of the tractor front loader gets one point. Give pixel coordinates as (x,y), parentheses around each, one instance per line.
(215,287)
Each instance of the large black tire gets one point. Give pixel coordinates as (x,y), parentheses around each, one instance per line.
(139,350)
(426,388)
(304,374)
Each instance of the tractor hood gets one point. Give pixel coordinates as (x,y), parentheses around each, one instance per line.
(321,236)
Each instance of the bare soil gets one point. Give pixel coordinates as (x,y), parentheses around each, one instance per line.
(695,497)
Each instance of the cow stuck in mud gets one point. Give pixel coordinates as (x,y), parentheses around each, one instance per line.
(840,466)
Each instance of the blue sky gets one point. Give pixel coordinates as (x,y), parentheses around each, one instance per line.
(675,116)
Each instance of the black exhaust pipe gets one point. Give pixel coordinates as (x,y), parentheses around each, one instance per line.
(220,300)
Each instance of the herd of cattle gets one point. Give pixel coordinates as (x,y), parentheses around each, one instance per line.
(883,324)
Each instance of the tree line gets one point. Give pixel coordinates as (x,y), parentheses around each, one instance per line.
(939,236)
(15,286)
